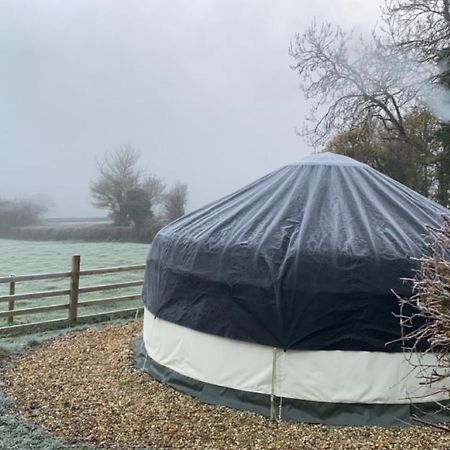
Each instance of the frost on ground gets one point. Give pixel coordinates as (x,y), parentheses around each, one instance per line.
(17,433)
(34,257)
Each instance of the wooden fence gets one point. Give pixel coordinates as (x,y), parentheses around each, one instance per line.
(73,293)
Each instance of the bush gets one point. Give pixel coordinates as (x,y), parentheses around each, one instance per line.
(425,317)
(20,213)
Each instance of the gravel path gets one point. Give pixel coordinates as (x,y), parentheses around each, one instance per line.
(84,388)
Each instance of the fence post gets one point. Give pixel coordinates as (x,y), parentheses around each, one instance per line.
(12,291)
(74,287)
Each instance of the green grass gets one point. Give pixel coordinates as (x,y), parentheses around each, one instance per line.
(31,257)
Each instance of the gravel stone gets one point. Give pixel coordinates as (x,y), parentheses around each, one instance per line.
(83,387)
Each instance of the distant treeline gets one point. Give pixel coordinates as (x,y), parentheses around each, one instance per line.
(22,219)
(87,233)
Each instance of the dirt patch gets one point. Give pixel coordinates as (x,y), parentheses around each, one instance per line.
(83,387)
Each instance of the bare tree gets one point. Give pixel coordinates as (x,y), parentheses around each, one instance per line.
(350,82)
(118,173)
(154,188)
(420,27)
(175,201)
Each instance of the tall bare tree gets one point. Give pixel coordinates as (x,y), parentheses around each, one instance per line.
(380,83)
(118,173)
(420,27)
(175,201)
(154,188)
(350,82)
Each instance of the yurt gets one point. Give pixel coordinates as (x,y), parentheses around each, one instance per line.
(278,298)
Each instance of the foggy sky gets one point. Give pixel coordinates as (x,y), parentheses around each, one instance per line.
(202,88)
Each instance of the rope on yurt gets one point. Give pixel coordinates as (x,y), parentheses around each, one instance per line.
(272,393)
(281,365)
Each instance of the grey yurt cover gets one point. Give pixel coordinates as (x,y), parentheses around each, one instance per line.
(303,258)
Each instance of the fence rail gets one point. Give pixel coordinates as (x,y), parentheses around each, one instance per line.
(73,294)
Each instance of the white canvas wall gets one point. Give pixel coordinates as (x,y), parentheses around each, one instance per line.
(324,376)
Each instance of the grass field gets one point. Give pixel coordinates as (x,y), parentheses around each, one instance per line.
(31,257)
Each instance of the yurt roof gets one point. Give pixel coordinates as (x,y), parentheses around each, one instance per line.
(305,257)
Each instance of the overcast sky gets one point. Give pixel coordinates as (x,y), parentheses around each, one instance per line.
(202,88)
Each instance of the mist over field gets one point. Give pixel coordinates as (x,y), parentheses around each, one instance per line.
(202,88)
